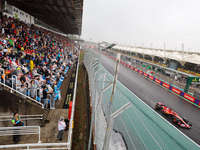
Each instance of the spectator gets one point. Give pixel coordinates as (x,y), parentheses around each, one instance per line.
(44,98)
(61,128)
(16,121)
(34,55)
(8,80)
(33,88)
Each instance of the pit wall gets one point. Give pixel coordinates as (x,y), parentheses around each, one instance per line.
(161,83)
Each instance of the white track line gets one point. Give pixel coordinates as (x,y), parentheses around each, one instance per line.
(155,111)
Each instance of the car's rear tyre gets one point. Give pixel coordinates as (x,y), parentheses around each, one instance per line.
(157,107)
(175,120)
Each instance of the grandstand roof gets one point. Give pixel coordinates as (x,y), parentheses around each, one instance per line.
(176,55)
(64,15)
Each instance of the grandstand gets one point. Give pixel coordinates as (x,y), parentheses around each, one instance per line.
(35,59)
(187,62)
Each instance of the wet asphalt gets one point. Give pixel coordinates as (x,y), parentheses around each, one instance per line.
(151,93)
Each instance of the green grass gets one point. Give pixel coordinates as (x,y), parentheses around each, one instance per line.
(81,56)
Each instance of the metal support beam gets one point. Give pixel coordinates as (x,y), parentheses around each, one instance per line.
(110,127)
(112,94)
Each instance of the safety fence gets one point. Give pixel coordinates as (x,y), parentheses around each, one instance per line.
(139,127)
(20,130)
(23,117)
(163,84)
(72,111)
(12,89)
(37,146)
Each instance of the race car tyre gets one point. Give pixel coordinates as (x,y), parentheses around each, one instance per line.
(157,107)
(175,120)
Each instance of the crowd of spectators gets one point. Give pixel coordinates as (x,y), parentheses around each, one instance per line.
(37,57)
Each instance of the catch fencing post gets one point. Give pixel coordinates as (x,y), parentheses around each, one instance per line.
(111,100)
(110,127)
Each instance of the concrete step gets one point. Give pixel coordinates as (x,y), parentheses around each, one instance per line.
(48,115)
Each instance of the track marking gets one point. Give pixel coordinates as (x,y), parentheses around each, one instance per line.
(155,111)
(162,86)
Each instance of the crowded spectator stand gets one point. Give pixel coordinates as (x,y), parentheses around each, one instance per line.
(33,60)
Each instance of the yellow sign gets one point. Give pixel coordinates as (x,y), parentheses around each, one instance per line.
(71,85)
(194,80)
(72,124)
(68,99)
(73,75)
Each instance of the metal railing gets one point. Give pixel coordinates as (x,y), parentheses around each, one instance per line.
(71,122)
(23,117)
(14,76)
(25,96)
(28,146)
(22,130)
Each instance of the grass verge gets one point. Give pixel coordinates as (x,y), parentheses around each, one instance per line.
(78,142)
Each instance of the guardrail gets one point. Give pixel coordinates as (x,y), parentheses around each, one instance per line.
(23,130)
(11,89)
(71,122)
(28,146)
(23,117)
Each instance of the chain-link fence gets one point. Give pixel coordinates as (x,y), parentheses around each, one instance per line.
(138,127)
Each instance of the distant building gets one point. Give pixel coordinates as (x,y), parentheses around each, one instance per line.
(12,11)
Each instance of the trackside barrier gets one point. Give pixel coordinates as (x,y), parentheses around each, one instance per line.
(23,130)
(165,85)
(71,121)
(139,127)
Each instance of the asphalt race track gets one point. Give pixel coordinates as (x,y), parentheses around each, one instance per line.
(152,93)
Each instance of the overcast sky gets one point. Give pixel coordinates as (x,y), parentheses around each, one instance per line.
(143,21)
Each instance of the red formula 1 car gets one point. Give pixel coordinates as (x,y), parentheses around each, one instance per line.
(182,122)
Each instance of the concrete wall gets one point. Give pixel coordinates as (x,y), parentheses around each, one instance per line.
(11,11)
(11,103)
